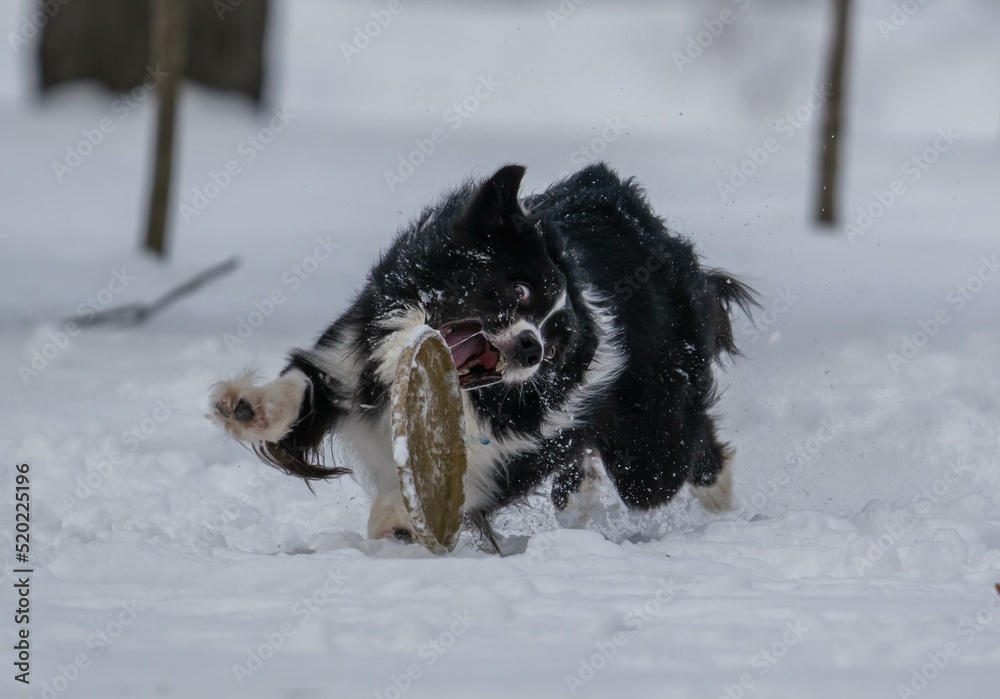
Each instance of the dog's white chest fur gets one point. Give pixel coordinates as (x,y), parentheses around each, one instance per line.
(370,443)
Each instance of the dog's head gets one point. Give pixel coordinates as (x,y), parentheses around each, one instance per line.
(505,311)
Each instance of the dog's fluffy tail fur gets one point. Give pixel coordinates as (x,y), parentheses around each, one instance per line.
(728,292)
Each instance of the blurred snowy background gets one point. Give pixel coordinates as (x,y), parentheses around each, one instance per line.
(864,550)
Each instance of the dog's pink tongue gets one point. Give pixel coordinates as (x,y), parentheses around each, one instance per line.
(465,344)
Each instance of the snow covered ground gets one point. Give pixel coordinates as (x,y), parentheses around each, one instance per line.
(863,554)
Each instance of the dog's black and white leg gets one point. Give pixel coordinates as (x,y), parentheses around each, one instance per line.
(649,467)
(648,446)
(519,472)
(284,420)
(711,478)
(367,434)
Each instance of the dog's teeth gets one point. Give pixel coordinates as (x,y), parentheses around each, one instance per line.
(446,332)
(463,370)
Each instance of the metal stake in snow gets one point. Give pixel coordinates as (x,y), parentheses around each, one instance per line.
(429,439)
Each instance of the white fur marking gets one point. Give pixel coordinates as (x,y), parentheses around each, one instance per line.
(341,360)
(559,305)
(388,514)
(718,497)
(386,355)
(514,374)
(608,362)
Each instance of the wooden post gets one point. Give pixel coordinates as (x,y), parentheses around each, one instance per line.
(833,120)
(169,50)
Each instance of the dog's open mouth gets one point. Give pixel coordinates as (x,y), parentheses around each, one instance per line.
(479,363)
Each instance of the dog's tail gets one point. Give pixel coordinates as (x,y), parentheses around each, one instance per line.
(727,291)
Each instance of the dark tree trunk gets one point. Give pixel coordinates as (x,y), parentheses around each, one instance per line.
(833,121)
(169,47)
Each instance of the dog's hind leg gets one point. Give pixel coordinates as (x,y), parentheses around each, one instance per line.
(711,479)
(647,456)
(663,438)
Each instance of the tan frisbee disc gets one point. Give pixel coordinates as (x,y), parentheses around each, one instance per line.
(428,434)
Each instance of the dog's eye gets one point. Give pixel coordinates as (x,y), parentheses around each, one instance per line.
(550,351)
(522,290)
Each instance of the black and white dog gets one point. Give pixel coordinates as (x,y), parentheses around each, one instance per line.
(578,323)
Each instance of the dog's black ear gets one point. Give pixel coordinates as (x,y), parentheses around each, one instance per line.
(494,212)
(496,198)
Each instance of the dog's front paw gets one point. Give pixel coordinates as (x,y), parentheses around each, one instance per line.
(390,520)
(258,413)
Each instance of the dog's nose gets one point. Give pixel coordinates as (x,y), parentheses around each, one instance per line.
(528,349)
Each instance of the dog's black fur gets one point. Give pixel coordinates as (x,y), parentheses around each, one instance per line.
(641,314)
